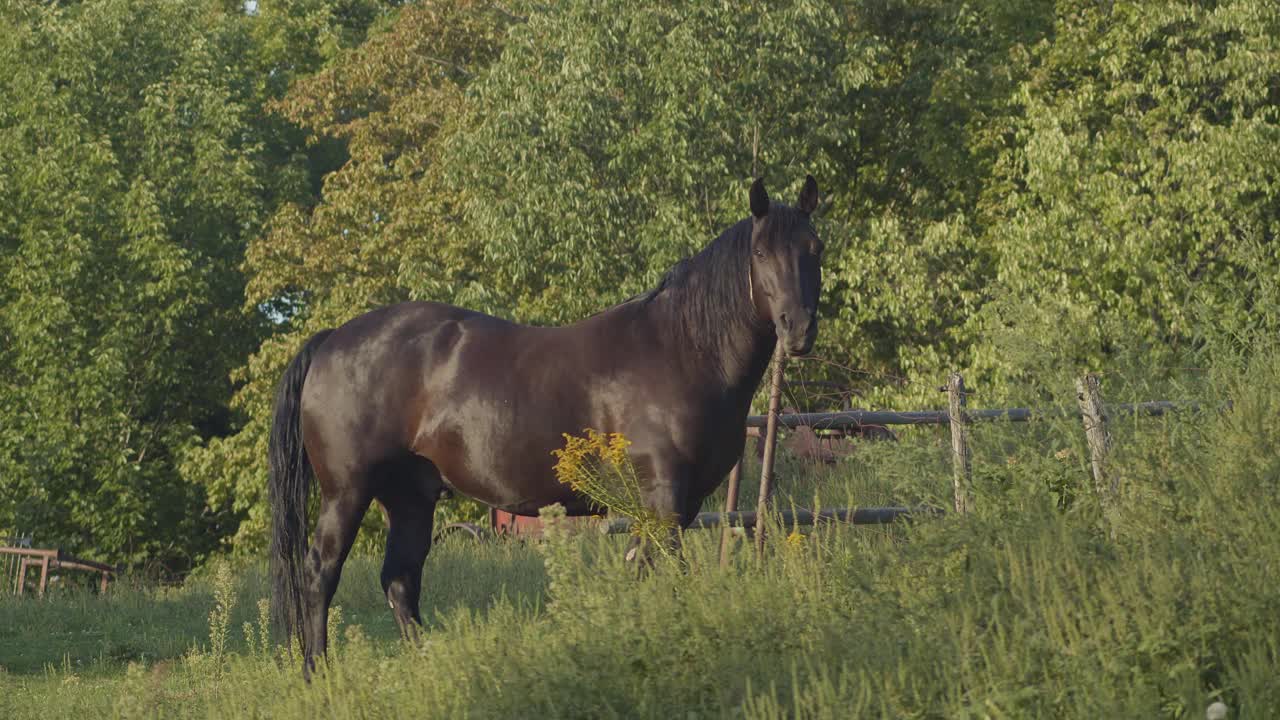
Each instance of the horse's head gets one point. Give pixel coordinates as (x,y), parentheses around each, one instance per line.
(786,265)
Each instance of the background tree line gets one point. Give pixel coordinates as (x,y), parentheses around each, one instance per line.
(1019,188)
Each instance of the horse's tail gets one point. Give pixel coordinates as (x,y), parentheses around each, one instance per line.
(288,485)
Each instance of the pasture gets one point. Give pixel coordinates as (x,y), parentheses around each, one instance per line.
(1028,607)
(1016,194)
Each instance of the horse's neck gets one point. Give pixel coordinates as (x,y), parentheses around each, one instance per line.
(729,349)
(746,379)
(735,358)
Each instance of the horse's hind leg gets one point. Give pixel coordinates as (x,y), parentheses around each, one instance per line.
(340,516)
(409,498)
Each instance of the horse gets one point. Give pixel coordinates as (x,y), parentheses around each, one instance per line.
(413,400)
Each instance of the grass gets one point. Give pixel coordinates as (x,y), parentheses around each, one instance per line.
(1030,607)
(94,635)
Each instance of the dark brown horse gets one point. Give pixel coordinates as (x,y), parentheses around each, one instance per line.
(408,400)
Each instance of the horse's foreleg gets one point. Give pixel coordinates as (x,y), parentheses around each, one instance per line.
(667,498)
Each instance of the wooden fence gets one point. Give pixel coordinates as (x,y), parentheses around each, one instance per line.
(1094,414)
(24,558)
(1091,410)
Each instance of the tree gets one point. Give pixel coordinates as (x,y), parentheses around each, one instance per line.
(1019,188)
(610,140)
(382,220)
(1137,210)
(128,185)
(135,162)
(545,161)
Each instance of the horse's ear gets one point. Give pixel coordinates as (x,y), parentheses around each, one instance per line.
(808,201)
(759,199)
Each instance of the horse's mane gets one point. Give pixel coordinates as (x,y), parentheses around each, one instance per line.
(709,291)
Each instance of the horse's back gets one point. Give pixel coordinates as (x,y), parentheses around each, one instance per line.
(474,394)
(367,377)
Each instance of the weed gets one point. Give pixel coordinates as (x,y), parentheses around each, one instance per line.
(599,467)
(224,602)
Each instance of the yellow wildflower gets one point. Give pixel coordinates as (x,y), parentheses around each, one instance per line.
(599,467)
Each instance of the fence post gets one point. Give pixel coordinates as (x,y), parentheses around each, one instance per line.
(10,566)
(961,466)
(44,574)
(730,505)
(21,583)
(770,441)
(1094,415)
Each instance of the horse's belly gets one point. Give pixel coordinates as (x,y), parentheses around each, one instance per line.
(498,469)
(518,493)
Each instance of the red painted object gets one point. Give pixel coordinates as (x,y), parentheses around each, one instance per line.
(502,523)
(525,526)
(505,523)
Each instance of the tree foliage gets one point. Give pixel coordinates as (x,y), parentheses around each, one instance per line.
(134,166)
(382,223)
(1136,208)
(127,189)
(1016,188)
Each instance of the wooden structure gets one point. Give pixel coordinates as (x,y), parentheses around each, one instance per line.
(770,443)
(1094,414)
(961,467)
(54,559)
(856,419)
(751,518)
(851,423)
(502,522)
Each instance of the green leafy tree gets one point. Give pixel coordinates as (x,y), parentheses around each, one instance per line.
(128,184)
(610,140)
(544,161)
(1136,212)
(136,160)
(909,265)
(389,104)
(1020,188)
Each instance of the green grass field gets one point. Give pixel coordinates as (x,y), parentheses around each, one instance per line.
(1032,607)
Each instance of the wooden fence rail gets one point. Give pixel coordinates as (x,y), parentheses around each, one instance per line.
(853,419)
(750,518)
(1092,412)
(52,559)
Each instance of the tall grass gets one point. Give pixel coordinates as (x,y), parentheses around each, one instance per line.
(1029,607)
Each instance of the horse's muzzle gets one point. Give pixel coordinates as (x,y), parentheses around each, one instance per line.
(799,338)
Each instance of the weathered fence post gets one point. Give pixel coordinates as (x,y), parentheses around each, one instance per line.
(11,562)
(20,582)
(961,467)
(730,505)
(770,441)
(1094,415)
(44,574)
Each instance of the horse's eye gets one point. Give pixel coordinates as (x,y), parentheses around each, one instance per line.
(758,253)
